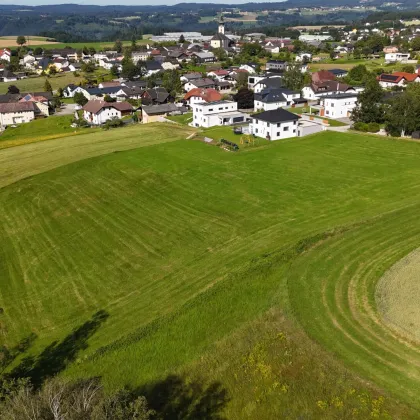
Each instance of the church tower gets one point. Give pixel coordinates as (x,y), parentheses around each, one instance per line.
(221,25)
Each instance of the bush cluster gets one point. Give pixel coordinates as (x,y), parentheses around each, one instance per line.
(371,127)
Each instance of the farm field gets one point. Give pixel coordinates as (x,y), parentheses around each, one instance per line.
(10,41)
(244,282)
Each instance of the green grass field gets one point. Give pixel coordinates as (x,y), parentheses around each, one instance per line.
(36,84)
(54,127)
(242,283)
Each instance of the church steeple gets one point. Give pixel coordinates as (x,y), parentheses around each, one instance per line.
(221,24)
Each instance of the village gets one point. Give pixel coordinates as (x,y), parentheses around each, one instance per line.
(269,87)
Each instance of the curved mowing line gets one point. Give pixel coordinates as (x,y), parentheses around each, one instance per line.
(332,292)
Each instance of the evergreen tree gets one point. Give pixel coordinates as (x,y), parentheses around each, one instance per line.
(47,86)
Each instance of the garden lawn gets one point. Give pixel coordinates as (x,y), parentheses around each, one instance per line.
(221,269)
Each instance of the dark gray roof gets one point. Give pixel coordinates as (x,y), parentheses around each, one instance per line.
(276,116)
(273,95)
(338,72)
(153,65)
(159,109)
(272,82)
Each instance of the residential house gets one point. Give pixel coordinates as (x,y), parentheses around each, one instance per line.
(268,82)
(273,98)
(331,87)
(220,75)
(251,68)
(99,112)
(204,57)
(322,76)
(5,54)
(276,65)
(16,113)
(170,64)
(397,57)
(338,106)
(338,73)
(203,83)
(113,83)
(8,76)
(139,56)
(155,96)
(188,77)
(276,124)
(155,113)
(398,78)
(210,114)
(41,100)
(152,67)
(303,57)
(199,95)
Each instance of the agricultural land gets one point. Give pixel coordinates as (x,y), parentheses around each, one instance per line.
(242,285)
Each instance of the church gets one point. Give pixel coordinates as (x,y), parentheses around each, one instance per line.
(220,40)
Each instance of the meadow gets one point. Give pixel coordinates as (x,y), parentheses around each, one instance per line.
(240,283)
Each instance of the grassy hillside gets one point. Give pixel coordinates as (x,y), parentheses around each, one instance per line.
(212,267)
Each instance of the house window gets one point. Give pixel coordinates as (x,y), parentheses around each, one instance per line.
(268,124)
(278,124)
(211,109)
(256,130)
(278,134)
(286,128)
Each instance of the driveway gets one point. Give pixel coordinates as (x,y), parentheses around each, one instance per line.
(68,109)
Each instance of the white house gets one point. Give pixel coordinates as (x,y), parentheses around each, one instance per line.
(275,125)
(140,56)
(303,57)
(338,106)
(209,114)
(205,83)
(198,95)
(270,99)
(99,112)
(5,54)
(16,113)
(397,56)
(250,68)
(330,87)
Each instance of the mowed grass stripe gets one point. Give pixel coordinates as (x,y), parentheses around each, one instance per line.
(342,325)
(182,243)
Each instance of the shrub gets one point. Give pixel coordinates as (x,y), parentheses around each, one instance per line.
(113,123)
(373,127)
(360,126)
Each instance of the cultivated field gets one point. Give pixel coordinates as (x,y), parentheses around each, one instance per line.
(236,284)
(10,41)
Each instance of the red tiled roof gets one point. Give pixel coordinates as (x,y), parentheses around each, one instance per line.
(410,77)
(220,72)
(322,76)
(5,51)
(208,95)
